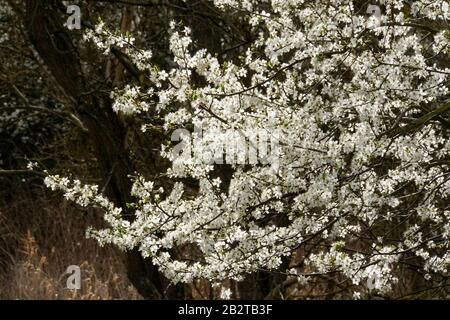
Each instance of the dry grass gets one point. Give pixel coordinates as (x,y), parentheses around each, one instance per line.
(40,239)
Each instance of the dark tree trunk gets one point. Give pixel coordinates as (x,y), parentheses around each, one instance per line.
(55,46)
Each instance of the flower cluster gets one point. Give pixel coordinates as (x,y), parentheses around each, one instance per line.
(350,179)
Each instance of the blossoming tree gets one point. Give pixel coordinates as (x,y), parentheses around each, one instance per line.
(358,96)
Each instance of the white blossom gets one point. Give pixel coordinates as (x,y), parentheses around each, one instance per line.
(341,171)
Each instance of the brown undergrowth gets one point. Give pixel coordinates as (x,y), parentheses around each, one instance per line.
(39,240)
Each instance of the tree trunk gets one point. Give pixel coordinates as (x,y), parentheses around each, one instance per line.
(55,46)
